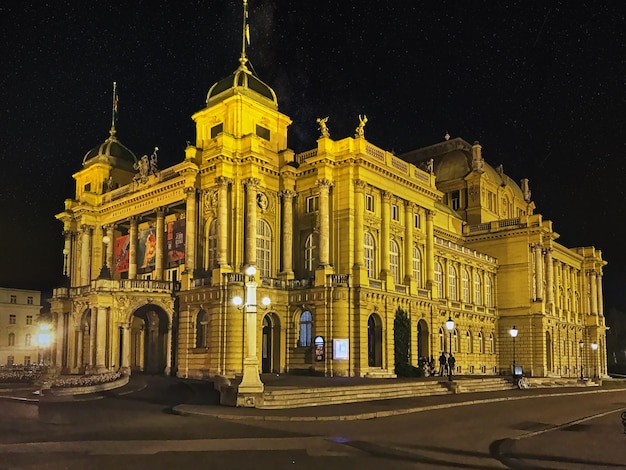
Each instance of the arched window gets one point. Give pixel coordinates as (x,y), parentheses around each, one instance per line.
(212,246)
(478,289)
(394,261)
(455,340)
(437,291)
(488,291)
(442,340)
(417,266)
(369,254)
(451,282)
(264,248)
(306,327)
(202,330)
(481,343)
(465,287)
(11,339)
(492,344)
(468,341)
(309,254)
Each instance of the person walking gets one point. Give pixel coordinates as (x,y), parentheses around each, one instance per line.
(442,364)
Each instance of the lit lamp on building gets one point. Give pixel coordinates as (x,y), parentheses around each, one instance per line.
(594,347)
(66,278)
(105,272)
(450,328)
(251,381)
(513,332)
(44,339)
(581,343)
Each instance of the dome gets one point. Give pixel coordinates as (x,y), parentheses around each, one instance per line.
(113,152)
(453,165)
(241,82)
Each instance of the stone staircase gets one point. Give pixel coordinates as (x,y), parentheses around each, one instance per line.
(320,396)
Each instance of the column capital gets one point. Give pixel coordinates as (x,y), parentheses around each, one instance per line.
(386,195)
(252,183)
(190,190)
(410,205)
(360,186)
(430,214)
(86,228)
(223,181)
(287,193)
(324,183)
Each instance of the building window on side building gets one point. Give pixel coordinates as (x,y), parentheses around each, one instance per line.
(394,261)
(437,285)
(27,340)
(417,266)
(264,248)
(14,299)
(306,329)
(11,339)
(451,282)
(369,253)
(12,319)
(29,300)
(202,329)
(29,319)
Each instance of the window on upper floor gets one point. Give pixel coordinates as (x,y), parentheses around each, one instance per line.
(14,299)
(312,203)
(478,290)
(437,284)
(488,291)
(11,339)
(416,220)
(369,202)
(87,187)
(264,248)
(217,130)
(29,300)
(306,329)
(309,254)
(27,339)
(29,319)
(455,200)
(395,213)
(12,319)
(263,132)
(394,261)
(417,266)
(369,254)
(452,282)
(465,286)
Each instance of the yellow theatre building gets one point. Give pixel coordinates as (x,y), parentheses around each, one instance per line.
(341,237)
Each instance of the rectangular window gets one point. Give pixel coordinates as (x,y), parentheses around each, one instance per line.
(312,203)
(369,202)
(455,200)
(395,214)
(416,220)
(29,319)
(14,299)
(217,130)
(27,341)
(87,187)
(29,300)
(12,319)
(263,132)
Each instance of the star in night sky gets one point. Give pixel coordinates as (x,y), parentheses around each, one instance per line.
(541,85)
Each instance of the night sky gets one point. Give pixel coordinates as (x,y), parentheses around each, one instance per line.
(540,84)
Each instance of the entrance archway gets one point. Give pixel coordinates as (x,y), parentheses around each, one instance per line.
(374,341)
(423,343)
(149,340)
(270,349)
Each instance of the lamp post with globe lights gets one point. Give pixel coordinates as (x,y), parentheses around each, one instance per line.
(44,340)
(450,328)
(594,348)
(513,332)
(105,272)
(251,380)
(581,343)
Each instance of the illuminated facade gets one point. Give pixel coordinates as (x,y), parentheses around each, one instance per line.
(19,326)
(341,236)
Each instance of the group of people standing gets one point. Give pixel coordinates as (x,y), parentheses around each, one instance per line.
(446,365)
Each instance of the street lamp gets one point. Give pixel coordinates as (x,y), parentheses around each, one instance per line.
(513,332)
(450,327)
(66,279)
(594,347)
(251,381)
(105,272)
(581,343)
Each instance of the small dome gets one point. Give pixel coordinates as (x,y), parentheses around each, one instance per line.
(454,165)
(243,82)
(113,152)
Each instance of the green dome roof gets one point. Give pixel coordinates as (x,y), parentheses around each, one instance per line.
(241,82)
(113,152)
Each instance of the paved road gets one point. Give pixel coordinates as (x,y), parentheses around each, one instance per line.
(139,431)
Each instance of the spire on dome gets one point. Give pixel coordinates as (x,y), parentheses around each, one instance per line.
(114,110)
(245,35)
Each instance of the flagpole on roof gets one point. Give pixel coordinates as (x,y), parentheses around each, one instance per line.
(245,36)
(114,109)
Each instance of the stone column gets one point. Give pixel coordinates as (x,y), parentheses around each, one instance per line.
(222,220)
(549,279)
(359,228)
(132,249)
(287,251)
(252,185)
(600,294)
(126,347)
(324,186)
(101,335)
(190,230)
(594,292)
(408,241)
(160,244)
(385,232)
(430,249)
(538,272)
(85,255)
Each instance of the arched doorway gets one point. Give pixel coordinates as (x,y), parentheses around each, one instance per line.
(374,341)
(270,346)
(548,353)
(423,346)
(149,340)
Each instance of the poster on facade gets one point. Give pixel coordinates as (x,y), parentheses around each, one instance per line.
(146,248)
(175,240)
(121,253)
